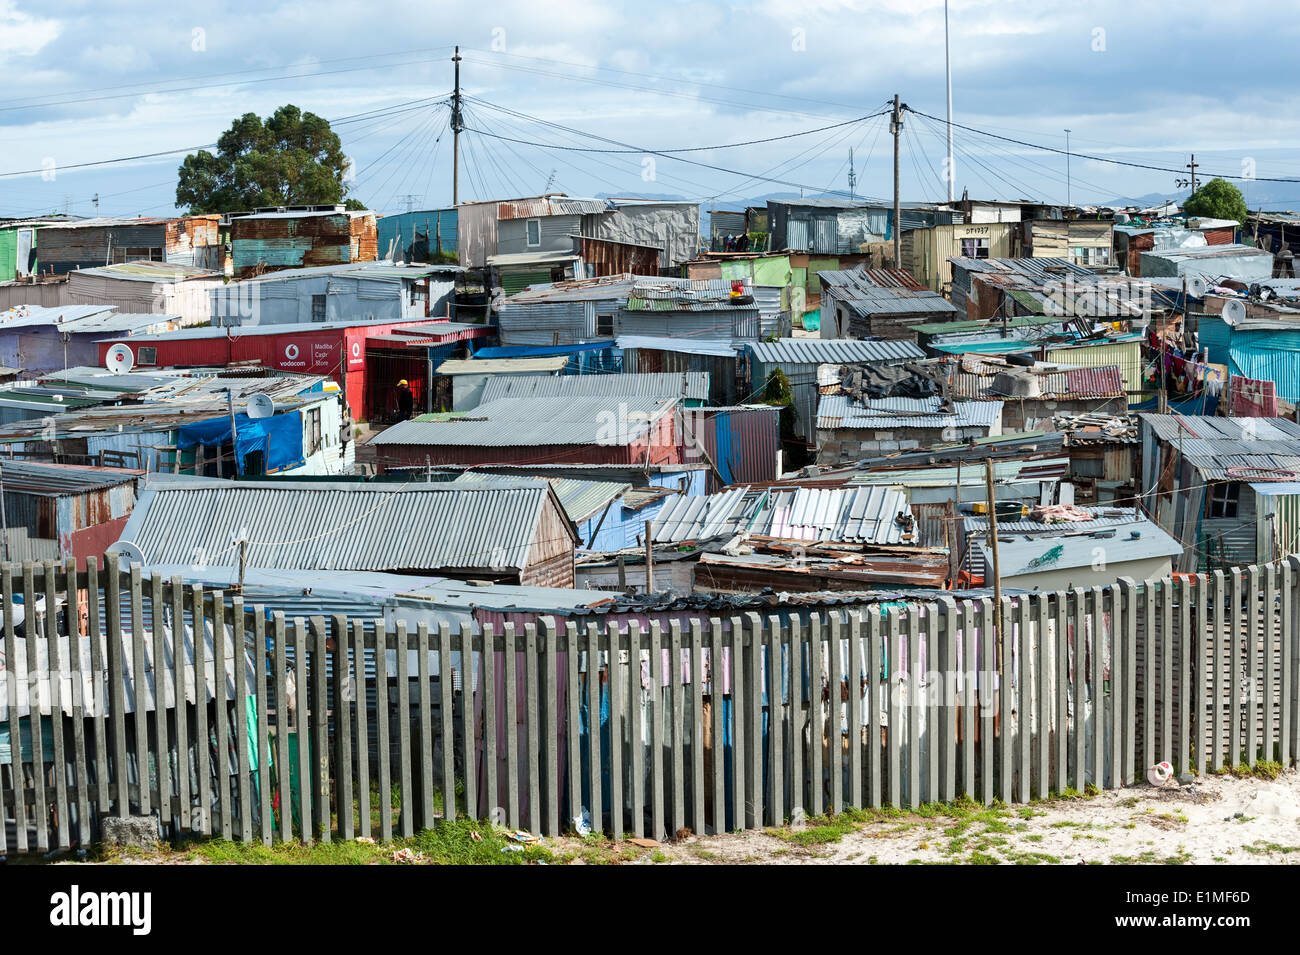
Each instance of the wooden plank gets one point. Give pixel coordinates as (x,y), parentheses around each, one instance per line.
(676,713)
(139,680)
(572,691)
(343,697)
(716,725)
(184,813)
(446,724)
(736,661)
(402,729)
(510,656)
(320,726)
(12,678)
(835,732)
(894,729)
(363,724)
(1006,771)
(1253,689)
(1129,599)
(636,773)
(51,632)
(988,701)
(1024,699)
(1115,700)
(697,727)
(424,706)
(220,713)
(1269,654)
(99,689)
(1150,599)
(550,729)
(614,681)
(755,815)
(491,790)
(1061,650)
(1287,750)
(1098,690)
(532,715)
(855,707)
(1042,659)
(969,700)
(934,729)
(41,817)
(157,605)
(1217,640)
(1234,670)
(238,653)
(279,666)
(263,715)
(818,727)
(116,692)
(384,772)
(80,766)
(595,803)
(913,796)
(302,729)
(1079,676)
(469,722)
(775,737)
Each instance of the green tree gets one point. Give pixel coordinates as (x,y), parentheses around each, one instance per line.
(1217,199)
(293,158)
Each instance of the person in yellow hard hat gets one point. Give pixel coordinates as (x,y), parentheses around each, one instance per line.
(405,401)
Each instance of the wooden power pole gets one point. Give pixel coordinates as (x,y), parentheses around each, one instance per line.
(649,560)
(456,125)
(896,127)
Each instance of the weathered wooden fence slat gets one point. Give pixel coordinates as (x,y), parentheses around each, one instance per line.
(132,693)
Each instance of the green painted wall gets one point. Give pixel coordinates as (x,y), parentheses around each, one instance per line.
(8,250)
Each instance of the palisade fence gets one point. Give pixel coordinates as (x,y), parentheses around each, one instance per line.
(225,720)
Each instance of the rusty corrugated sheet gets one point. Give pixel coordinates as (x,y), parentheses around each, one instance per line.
(607,257)
(268,243)
(550,206)
(1104,381)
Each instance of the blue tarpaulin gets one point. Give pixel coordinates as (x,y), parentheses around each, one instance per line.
(538,351)
(284,431)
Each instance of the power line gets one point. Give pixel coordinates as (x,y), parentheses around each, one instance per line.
(1116,162)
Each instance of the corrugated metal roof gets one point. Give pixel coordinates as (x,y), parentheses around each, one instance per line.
(868,515)
(580,499)
(698,295)
(692,385)
(25,316)
(696,517)
(1173,427)
(717,348)
(342,526)
(145,271)
(531,367)
(1016,555)
(838,411)
(557,205)
(1004,472)
(56,480)
(808,351)
(513,422)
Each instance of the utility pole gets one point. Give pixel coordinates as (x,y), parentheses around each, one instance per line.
(649,560)
(947,69)
(997,565)
(1067,167)
(4,520)
(243,561)
(896,127)
(1192,166)
(456,126)
(96,202)
(853,176)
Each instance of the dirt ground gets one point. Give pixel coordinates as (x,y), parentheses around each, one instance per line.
(1217,819)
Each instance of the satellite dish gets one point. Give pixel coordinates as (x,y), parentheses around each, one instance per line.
(119,360)
(1234,310)
(1197,286)
(261,406)
(127,552)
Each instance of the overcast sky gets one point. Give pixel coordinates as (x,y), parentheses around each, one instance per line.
(1145,83)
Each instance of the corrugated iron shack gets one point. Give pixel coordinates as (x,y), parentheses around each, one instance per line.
(267,240)
(59,511)
(92,243)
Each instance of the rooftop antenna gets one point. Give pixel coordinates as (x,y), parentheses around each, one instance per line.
(550,181)
(853,176)
(947,68)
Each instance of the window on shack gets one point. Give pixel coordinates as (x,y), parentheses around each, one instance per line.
(1222,499)
(534,232)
